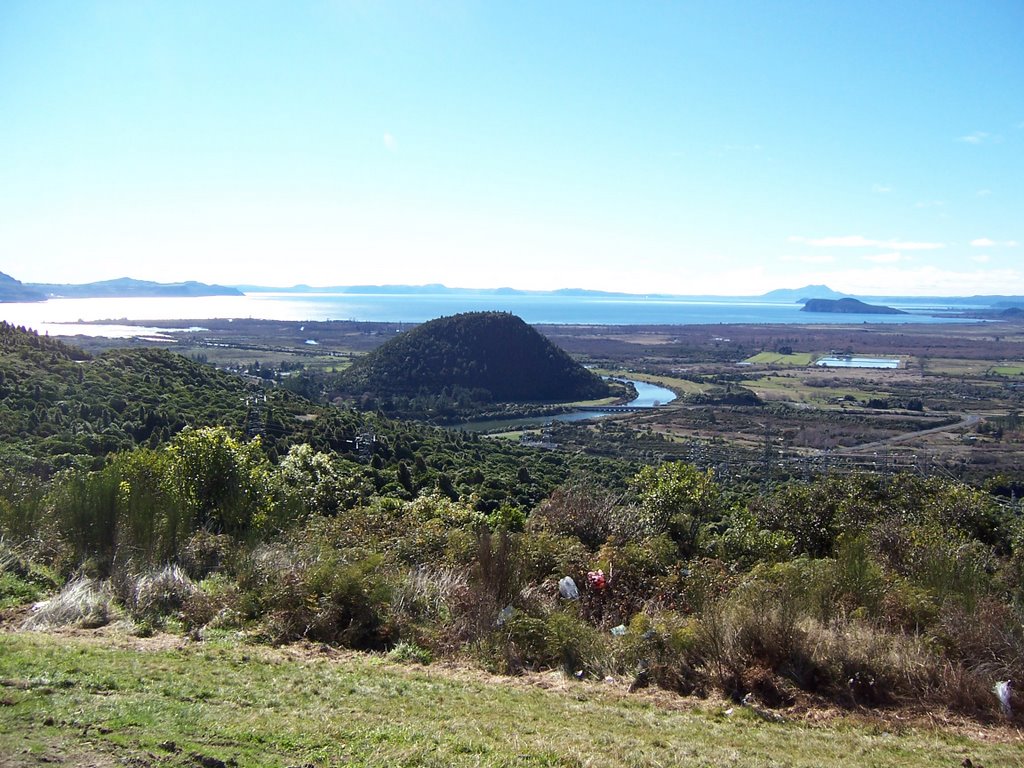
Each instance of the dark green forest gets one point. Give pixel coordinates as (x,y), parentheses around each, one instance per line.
(141,487)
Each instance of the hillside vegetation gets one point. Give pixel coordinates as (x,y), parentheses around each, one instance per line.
(493,356)
(295,521)
(61,407)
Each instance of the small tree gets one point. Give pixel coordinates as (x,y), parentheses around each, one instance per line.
(223,484)
(677,499)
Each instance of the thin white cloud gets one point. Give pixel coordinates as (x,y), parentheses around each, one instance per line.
(859,241)
(810,258)
(736,149)
(977,137)
(390,142)
(881,189)
(922,204)
(987,242)
(983,192)
(886,258)
(981,258)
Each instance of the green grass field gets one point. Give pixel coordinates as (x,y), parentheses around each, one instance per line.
(110,700)
(1008,370)
(774,358)
(795,390)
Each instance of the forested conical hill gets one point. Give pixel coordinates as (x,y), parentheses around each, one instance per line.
(493,354)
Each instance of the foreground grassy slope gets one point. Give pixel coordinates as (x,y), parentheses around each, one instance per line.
(116,700)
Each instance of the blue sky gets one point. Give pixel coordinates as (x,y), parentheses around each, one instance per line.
(686,147)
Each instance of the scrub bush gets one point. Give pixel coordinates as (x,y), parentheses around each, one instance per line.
(160,593)
(559,640)
(664,649)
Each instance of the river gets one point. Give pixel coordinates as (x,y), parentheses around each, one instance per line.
(648,396)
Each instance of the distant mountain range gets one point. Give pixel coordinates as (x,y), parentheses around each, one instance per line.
(124,287)
(802,295)
(14,290)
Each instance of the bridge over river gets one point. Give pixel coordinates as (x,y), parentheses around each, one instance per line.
(613,408)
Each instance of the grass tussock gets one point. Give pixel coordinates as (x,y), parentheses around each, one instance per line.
(83,602)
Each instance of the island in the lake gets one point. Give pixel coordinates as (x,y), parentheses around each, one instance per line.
(849,306)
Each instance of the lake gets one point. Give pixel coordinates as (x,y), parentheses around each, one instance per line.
(53,316)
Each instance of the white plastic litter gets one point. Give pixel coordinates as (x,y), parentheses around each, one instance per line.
(567,588)
(1002,692)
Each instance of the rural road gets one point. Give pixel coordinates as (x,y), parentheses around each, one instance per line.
(966,420)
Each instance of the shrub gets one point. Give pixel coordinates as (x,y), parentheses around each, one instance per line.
(220,483)
(579,511)
(636,573)
(405,652)
(493,583)
(738,539)
(701,581)
(21,581)
(756,629)
(205,553)
(161,593)
(317,592)
(15,590)
(665,647)
(547,555)
(857,662)
(762,621)
(906,606)
(557,640)
(677,499)
(988,637)
(84,507)
(858,579)
(948,565)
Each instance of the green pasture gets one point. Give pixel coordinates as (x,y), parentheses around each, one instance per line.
(795,390)
(1009,369)
(170,702)
(775,358)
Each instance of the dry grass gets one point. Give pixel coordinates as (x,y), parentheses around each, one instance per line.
(84,602)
